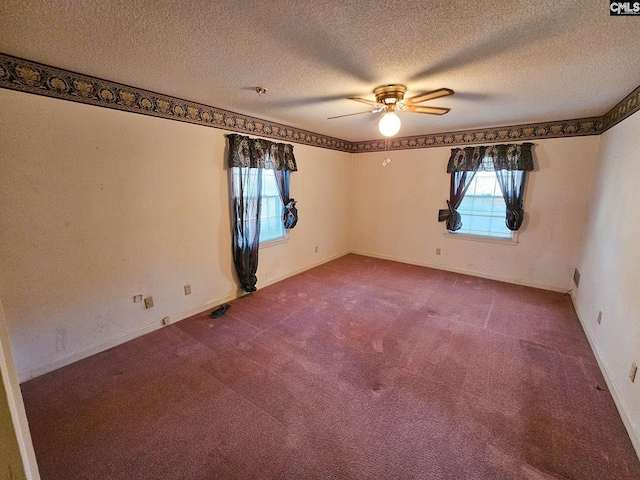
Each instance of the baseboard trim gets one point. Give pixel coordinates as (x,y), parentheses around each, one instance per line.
(634,433)
(632,430)
(47,367)
(302,269)
(462,271)
(33,372)
(60,362)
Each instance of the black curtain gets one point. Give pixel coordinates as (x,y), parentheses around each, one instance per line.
(246,185)
(289,211)
(511,164)
(247,158)
(463,165)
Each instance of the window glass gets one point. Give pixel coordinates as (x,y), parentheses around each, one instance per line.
(271,226)
(483,209)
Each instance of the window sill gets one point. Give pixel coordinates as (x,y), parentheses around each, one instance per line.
(275,241)
(512,242)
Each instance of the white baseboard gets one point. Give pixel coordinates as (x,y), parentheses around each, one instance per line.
(632,430)
(60,362)
(302,269)
(446,268)
(32,372)
(38,370)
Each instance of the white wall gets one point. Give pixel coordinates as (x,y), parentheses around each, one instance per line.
(98,205)
(322,188)
(610,268)
(395,210)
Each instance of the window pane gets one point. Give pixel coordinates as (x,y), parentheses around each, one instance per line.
(271,226)
(497,224)
(483,209)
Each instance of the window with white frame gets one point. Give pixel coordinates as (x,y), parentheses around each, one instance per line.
(482,209)
(271,225)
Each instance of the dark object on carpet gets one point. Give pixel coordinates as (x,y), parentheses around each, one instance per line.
(221,310)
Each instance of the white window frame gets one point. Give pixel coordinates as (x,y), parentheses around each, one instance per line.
(512,239)
(268,173)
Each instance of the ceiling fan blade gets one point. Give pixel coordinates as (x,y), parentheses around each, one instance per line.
(423,97)
(431,110)
(351,114)
(364,100)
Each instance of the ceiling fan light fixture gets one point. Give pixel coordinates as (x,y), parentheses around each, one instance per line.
(390,99)
(389,124)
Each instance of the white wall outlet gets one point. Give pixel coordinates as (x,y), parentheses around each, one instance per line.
(599,318)
(165,321)
(187,289)
(148,302)
(137,298)
(316,249)
(632,373)
(438,251)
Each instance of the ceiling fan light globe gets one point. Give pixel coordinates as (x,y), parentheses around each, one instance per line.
(389,124)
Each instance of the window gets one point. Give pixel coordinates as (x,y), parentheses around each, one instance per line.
(482,209)
(271,225)
(253,183)
(486,191)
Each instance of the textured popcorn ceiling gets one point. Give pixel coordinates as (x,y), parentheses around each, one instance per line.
(509,62)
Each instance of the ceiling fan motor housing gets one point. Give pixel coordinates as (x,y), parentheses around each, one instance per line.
(389,94)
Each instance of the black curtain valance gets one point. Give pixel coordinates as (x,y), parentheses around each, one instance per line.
(503,157)
(260,153)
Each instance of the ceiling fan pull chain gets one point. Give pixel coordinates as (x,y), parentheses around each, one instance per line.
(387,160)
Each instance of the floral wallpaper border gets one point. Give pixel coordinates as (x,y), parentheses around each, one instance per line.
(564,128)
(628,106)
(31,77)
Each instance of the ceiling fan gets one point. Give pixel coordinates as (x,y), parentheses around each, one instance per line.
(390,98)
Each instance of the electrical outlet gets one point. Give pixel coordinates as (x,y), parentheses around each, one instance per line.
(316,249)
(599,318)
(632,373)
(148,302)
(165,321)
(187,289)
(438,251)
(137,298)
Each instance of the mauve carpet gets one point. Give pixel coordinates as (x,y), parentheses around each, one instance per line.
(358,369)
